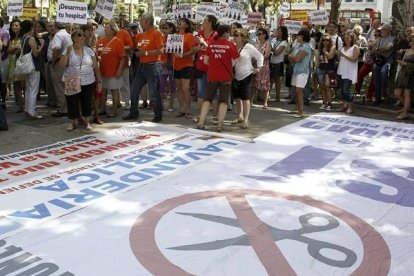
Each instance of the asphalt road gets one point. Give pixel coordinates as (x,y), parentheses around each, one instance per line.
(27,133)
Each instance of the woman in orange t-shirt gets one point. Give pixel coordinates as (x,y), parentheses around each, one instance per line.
(111,55)
(183,67)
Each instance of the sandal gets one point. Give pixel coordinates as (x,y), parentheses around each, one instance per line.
(188,116)
(200,127)
(89,127)
(70,127)
(402,117)
(180,114)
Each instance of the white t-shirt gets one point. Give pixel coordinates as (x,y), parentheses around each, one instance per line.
(61,40)
(347,69)
(340,43)
(278,59)
(243,66)
(82,64)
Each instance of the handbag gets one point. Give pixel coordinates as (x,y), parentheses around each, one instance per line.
(24,64)
(380,60)
(331,80)
(72,79)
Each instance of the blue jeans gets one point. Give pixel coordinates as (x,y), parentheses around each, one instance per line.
(345,86)
(381,74)
(147,74)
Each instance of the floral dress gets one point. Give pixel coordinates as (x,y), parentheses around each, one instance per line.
(12,63)
(262,79)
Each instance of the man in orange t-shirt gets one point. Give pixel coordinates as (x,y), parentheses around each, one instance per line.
(150,46)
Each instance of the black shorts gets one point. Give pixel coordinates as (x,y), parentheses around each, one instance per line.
(243,88)
(224,88)
(276,70)
(185,73)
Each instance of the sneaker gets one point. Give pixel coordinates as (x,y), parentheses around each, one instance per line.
(323,107)
(298,116)
(35,116)
(156,120)
(328,108)
(130,117)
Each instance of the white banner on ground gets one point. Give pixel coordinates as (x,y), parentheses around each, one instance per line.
(15,8)
(182,11)
(275,207)
(106,8)
(320,17)
(207,8)
(175,44)
(72,12)
(293,26)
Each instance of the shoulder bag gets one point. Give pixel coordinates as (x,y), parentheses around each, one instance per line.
(72,79)
(24,64)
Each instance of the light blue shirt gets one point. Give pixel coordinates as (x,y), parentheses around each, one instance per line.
(302,67)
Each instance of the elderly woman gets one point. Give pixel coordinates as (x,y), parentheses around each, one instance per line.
(362,43)
(111,56)
(300,57)
(220,55)
(348,69)
(244,72)
(80,61)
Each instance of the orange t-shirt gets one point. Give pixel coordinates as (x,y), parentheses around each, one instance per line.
(110,54)
(180,63)
(126,38)
(148,41)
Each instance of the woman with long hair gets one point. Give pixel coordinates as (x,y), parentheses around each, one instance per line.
(348,69)
(204,38)
(244,72)
(111,63)
(279,47)
(219,58)
(81,60)
(261,80)
(30,43)
(167,75)
(325,59)
(183,67)
(300,58)
(14,51)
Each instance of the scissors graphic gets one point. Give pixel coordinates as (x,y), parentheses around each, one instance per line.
(314,247)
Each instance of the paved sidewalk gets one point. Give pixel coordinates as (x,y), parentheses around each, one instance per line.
(25,133)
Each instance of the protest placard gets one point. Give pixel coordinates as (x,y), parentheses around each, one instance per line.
(105,8)
(29,13)
(319,17)
(253,18)
(284,8)
(42,3)
(233,12)
(293,26)
(299,15)
(206,8)
(15,8)
(72,12)
(182,11)
(175,44)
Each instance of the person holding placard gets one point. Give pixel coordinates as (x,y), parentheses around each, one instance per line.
(183,67)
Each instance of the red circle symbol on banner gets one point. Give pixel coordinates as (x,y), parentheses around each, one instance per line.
(376,259)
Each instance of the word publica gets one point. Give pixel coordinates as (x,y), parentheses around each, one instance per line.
(122,174)
(10,262)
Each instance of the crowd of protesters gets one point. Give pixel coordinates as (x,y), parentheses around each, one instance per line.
(78,67)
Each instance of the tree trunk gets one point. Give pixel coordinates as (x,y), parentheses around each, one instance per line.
(334,14)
